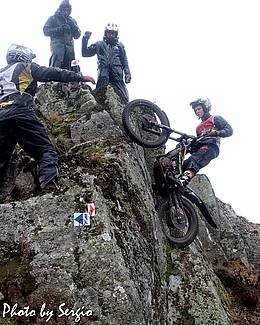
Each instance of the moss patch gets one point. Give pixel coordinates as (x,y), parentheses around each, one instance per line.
(16,275)
(169,270)
(6,321)
(61,128)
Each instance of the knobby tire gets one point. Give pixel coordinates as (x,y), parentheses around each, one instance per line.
(163,209)
(136,135)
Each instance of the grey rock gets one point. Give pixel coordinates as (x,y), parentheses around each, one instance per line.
(121,267)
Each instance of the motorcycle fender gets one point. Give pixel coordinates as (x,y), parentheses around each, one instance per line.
(166,122)
(194,198)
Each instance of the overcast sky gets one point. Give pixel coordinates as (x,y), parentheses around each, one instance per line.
(177,51)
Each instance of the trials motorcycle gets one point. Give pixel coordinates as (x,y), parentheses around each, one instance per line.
(147,125)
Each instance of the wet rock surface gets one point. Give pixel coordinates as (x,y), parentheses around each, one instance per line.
(120,269)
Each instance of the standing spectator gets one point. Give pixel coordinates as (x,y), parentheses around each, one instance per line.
(112,60)
(62,28)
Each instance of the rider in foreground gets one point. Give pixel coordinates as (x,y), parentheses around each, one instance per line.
(18,120)
(213,127)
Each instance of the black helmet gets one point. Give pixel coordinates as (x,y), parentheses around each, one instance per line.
(19,53)
(205,102)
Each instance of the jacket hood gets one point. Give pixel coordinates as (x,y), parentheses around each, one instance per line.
(65,4)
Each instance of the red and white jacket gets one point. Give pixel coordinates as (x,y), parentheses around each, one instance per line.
(210,123)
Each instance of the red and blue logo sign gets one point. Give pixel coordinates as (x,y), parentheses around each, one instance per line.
(83,219)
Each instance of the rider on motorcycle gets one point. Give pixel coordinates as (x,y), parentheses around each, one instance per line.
(213,127)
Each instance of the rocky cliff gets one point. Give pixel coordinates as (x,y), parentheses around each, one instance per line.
(120,270)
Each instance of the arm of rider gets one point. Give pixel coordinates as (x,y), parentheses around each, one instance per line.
(224,128)
(46,74)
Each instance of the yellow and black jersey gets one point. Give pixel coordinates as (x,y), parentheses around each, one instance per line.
(21,77)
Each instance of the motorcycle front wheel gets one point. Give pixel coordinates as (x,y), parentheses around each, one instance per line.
(182,229)
(141,119)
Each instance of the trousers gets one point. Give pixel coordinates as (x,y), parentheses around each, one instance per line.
(19,124)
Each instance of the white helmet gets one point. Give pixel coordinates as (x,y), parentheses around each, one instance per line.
(19,53)
(111,27)
(205,102)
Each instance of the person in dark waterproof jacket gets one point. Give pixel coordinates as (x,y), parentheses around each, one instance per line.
(113,65)
(62,29)
(18,121)
(212,126)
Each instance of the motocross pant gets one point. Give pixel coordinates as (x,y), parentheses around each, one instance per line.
(62,55)
(201,158)
(19,124)
(114,76)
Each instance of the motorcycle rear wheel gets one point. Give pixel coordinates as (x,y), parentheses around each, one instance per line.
(180,238)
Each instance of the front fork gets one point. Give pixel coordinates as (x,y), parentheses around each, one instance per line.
(177,213)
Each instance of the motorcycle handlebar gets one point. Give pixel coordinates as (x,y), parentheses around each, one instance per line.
(184,136)
(187,137)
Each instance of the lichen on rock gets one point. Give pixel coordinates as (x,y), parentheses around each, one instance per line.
(121,267)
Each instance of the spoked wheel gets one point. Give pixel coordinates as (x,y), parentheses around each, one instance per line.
(141,119)
(181,229)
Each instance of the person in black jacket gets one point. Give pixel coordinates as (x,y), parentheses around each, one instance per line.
(214,128)
(62,28)
(113,65)
(18,121)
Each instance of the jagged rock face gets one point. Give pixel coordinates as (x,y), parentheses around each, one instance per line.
(236,238)
(233,250)
(121,268)
(114,267)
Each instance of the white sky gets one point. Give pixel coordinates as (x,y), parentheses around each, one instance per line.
(178,50)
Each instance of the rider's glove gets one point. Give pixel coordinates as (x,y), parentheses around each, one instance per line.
(90,79)
(65,28)
(61,29)
(191,141)
(87,35)
(214,133)
(127,78)
(70,22)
